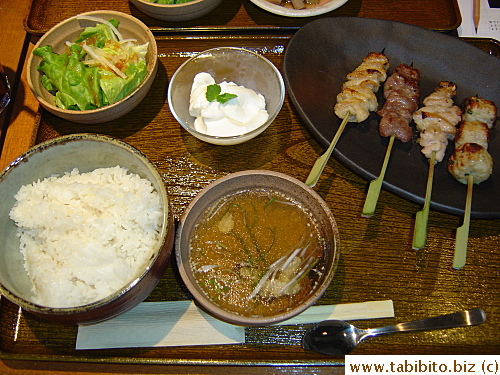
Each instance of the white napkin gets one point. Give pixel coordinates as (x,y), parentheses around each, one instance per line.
(150,324)
(181,323)
(489,22)
(345,311)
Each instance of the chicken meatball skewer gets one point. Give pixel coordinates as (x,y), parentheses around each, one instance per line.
(354,102)
(401,93)
(436,121)
(471,162)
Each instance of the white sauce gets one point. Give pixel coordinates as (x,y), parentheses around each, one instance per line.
(237,116)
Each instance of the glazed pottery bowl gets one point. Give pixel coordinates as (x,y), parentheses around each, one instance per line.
(325,6)
(68,31)
(230,64)
(255,180)
(58,157)
(176,12)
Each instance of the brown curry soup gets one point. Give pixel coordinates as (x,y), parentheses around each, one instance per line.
(257,253)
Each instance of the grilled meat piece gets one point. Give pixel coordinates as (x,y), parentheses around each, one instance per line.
(470,159)
(401,91)
(479,109)
(471,156)
(357,95)
(437,120)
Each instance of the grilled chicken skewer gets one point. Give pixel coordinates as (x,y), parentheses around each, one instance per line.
(401,92)
(354,102)
(471,162)
(357,97)
(436,121)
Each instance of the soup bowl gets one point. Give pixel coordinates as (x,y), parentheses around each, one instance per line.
(60,156)
(312,277)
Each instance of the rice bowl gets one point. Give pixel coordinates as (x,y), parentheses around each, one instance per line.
(86,152)
(91,233)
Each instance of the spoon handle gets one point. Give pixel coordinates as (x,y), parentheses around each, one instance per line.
(459,319)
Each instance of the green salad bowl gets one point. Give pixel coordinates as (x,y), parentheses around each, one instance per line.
(68,31)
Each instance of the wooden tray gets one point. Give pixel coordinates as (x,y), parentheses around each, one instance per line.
(421,284)
(231,15)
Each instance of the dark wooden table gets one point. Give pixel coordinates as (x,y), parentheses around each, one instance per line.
(376,262)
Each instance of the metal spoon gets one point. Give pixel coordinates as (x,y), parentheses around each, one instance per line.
(336,337)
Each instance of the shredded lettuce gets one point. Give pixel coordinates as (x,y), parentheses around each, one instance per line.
(98,69)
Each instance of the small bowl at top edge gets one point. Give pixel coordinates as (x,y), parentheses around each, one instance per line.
(176,12)
(290,12)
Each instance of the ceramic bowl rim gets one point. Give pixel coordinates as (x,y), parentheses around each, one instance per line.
(288,12)
(214,138)
(151,65)
(172,6)
(233,318)
(31,306)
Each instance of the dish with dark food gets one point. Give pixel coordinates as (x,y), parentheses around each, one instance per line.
(321,53)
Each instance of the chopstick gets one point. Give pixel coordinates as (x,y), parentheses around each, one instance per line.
(476,13)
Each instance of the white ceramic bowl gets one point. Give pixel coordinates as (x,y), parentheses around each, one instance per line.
(176,12)
(68,30)
(248,180)
(239,65)
(290,12)
(86,152)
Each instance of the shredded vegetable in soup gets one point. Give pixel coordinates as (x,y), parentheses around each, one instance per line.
(257,253)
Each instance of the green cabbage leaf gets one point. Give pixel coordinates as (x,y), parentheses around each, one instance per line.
(96,70)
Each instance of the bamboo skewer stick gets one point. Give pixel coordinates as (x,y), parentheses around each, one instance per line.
(320,163)
(420,231)
(376,185)
(462,235)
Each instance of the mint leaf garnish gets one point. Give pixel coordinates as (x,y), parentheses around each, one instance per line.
(225,97)
(213,93)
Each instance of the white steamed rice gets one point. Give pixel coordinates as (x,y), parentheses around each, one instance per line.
(85,236)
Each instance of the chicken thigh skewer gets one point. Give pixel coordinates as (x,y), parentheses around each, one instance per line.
(471,162)
(436,122)
(401,92)
(354,102)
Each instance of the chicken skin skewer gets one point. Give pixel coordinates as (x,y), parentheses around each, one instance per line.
(357,97)
(436,121)
(354,102)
